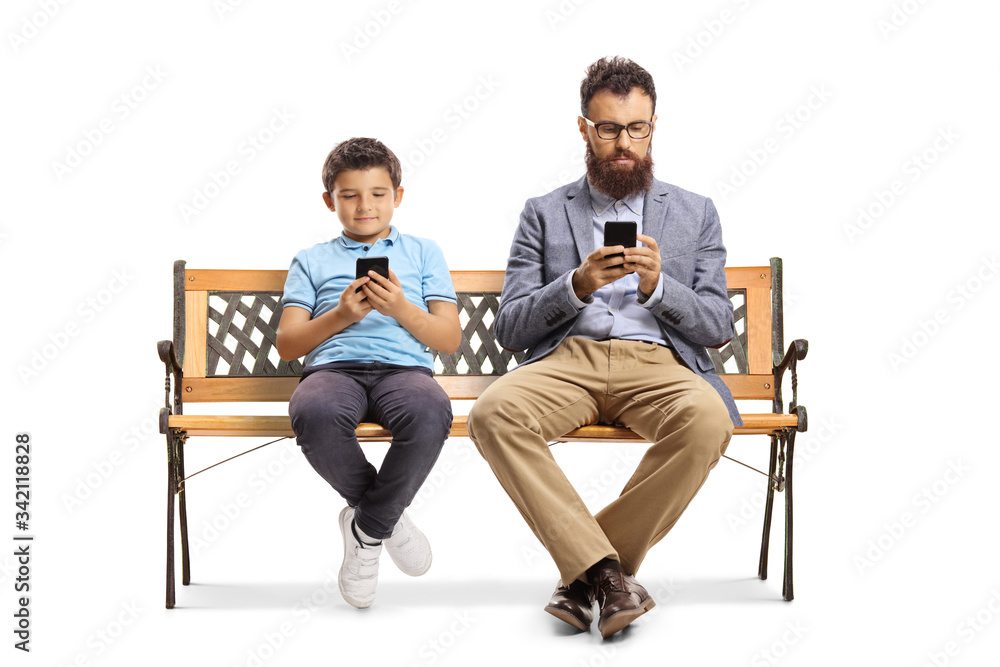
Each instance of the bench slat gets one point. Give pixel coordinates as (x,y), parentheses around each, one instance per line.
(279,426)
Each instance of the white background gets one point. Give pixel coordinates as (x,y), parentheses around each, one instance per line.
(896,552)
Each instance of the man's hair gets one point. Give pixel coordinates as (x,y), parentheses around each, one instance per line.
(360,153)
(617,75)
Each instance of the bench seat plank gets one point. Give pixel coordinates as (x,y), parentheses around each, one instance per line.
(280,426)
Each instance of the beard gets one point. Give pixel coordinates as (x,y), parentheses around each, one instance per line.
(620,181)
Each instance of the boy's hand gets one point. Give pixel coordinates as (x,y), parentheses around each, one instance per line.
(353,304)
(385,294)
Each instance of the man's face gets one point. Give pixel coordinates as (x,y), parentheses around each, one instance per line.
(364,201)
(622,166)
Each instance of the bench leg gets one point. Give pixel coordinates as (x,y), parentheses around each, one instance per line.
(171,492)
(182,506)
(786,588)
(765,540)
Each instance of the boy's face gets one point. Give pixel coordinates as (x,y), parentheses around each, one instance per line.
(364,201)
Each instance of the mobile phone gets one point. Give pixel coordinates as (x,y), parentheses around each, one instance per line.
(619,233)
(379,264)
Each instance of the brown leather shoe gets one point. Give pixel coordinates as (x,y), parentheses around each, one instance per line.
(573,604)
(621,598)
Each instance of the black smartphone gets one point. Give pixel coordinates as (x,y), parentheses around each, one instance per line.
(619,233)
(379,264)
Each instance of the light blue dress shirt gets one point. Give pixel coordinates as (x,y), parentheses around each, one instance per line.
(613,311)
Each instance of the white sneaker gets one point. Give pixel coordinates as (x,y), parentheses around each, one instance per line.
(359,571)
(408,548)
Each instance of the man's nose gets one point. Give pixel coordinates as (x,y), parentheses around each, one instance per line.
(624,141)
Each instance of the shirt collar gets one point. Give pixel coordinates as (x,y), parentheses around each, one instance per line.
(353,245)
(602,202)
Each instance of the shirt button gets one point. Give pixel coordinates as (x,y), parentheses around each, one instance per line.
(366,248)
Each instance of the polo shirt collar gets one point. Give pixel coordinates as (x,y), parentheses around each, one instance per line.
(354,245)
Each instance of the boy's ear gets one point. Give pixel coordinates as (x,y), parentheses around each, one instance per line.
(399,197)
(328,201)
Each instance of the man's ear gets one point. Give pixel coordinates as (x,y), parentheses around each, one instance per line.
(328,201)
(582,124)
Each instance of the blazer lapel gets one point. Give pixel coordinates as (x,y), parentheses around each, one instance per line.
(581,217)
(654,210)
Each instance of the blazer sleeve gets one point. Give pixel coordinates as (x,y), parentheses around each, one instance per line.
(535,301)
(701,311)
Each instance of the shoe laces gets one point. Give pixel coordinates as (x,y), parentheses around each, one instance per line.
(611,582)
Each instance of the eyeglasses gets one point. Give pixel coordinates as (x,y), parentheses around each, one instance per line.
(638,129)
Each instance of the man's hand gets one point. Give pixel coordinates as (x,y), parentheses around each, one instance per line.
(597,270)
(385,294)
(353,305)
(645,261)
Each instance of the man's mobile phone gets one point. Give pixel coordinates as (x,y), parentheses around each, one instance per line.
(619,233)
(378,264)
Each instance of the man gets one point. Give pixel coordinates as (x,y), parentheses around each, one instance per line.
(611,342)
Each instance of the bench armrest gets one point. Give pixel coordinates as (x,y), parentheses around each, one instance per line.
(795,353)
(165,349)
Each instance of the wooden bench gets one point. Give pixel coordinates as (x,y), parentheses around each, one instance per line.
(223,351)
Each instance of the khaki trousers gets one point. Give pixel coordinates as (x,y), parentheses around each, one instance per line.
(639,385)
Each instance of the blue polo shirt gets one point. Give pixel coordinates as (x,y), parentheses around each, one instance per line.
(320,274)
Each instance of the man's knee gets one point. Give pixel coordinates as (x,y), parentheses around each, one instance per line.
(492,412)
(705,420)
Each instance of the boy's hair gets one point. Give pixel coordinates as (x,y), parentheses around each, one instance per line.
(618,75)
(360,153)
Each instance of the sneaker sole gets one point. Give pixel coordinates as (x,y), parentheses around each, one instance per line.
(358,604)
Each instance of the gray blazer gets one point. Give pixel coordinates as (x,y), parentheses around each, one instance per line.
(555,234)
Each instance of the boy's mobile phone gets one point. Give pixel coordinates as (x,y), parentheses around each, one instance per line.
(379,265)
(619,233)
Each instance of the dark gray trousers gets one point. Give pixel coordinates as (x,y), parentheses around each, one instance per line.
(332,399)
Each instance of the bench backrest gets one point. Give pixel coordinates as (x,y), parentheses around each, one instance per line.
(225,324)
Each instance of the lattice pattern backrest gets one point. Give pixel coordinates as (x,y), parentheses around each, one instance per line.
(242,330)
(732,357)
(479,353)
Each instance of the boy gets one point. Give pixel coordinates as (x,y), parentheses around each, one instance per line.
(367,342)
